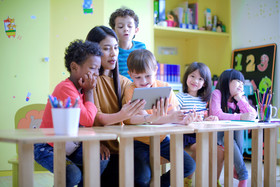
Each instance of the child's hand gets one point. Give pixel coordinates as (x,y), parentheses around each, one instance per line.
(238,96)
(189,118)
(88,81)
(212,118)
(159,110)
(248,116)
(104,152)
(198,118)
(176,116)
(132,108)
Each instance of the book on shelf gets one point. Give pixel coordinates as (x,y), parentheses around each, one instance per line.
(168,73)
(194,10)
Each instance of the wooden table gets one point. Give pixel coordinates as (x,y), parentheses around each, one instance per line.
(206,152)
(208,131)
(270,153)
(25,138)
(126,160)
(205,170)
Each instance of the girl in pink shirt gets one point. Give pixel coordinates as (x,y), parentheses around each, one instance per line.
(229,103)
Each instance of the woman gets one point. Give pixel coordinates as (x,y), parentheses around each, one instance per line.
(108,96)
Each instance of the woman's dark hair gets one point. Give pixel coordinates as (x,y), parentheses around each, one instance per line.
(205,92)
(97,34)
(223,85)
(78,51)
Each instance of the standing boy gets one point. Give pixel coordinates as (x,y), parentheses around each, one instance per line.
(125,23)
(142,68)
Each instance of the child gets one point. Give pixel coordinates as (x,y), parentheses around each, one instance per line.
(83,61)
(125,23)
(142,67)
(196,93)
(229,103)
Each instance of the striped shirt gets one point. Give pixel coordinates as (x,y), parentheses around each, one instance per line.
(188,102)
(123,55)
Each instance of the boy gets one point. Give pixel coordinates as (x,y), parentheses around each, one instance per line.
(142,68)
(82,61)
(125,23)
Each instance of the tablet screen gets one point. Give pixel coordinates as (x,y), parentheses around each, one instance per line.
(151,95)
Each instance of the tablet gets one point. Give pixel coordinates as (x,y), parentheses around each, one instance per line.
(150,95)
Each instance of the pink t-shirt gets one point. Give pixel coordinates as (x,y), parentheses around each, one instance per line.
(215,108)
(62,91)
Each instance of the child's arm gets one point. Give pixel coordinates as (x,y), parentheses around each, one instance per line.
(246,110)
(87,83)
(216,110)
(244,106)
(88,109)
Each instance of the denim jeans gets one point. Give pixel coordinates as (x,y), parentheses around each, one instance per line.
(239,164)
(142,168)
(43,154)
(110,176)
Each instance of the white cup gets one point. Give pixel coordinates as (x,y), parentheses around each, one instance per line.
(66,121)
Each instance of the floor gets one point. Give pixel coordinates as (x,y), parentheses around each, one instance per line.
(248,166)
(40,180)
(46,179)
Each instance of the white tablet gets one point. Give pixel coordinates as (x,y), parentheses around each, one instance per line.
(151,95)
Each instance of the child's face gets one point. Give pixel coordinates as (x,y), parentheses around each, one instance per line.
(143,80)
(110,52)
(91,65)
(125,28)
(236,87)
(194,82)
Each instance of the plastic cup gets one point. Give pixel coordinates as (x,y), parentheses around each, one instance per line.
(66,121)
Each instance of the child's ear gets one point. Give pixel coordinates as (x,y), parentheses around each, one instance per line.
(74,66)
(129,74)
(136,30)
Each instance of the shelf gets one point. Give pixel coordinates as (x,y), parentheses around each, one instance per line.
(176,32)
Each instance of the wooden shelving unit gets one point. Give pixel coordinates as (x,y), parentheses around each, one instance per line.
(211,48)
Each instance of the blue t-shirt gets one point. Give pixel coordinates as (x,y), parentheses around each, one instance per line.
(123,55)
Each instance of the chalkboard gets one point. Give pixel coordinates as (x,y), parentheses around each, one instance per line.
(257,64)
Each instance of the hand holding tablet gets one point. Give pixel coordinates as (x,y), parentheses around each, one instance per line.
(151,95)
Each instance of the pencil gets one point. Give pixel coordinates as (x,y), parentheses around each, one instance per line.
(196,111)
(256,98)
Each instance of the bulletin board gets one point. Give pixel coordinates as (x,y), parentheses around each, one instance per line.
(256,64)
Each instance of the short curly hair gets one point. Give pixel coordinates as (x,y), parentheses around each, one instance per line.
(78,51)
(123,12)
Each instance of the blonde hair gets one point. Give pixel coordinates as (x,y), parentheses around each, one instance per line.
(141,61)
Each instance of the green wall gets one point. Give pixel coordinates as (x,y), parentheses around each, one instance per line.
(21,65)
(44,28)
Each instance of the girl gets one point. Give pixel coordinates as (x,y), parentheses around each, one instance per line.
(196,93)
(82,60)
(108,96)
(229,103)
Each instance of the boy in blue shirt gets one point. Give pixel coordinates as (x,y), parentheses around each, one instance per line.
(125,23)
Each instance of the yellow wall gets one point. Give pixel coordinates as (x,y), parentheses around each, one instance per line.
(68,22)
(144,10)
(46,27)
(21,65)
